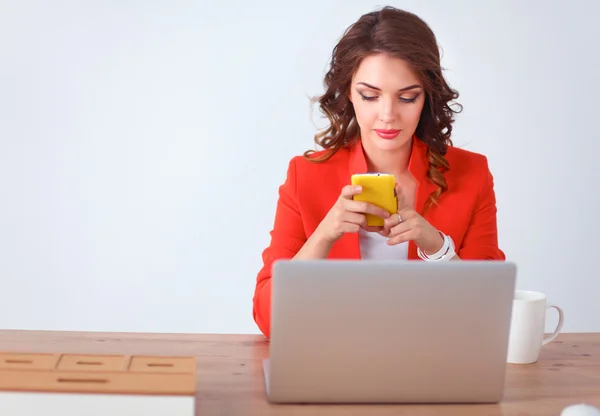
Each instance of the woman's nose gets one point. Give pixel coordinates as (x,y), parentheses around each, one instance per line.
(387,112)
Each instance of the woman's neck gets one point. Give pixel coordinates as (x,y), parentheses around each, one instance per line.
(388,161)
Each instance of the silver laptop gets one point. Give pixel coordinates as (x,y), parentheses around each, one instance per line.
(360,331)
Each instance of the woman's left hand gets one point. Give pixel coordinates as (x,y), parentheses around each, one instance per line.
(407,225)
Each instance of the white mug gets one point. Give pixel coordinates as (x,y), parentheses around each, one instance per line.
(528,323)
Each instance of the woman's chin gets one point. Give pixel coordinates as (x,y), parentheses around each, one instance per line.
(389,144)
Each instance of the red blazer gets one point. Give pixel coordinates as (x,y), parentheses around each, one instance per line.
(466,211)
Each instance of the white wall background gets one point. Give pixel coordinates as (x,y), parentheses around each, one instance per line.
(142,144)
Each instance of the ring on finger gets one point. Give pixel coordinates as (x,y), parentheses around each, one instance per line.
(399,217)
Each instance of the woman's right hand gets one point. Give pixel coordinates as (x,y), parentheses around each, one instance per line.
(348,216)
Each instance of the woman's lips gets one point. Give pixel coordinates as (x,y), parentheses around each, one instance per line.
(387,134)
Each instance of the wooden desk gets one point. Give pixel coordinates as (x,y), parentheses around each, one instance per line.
(230,380)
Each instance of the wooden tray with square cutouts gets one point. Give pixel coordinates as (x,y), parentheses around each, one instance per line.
(85,373)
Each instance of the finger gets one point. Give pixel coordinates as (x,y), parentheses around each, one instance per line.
(355,218)
(401,216)
(400,197)
(401,238)
(349,227)
(365,208)
(384,232)
(349,191)
(393,220)
(390,222)
(408,213)
(400,228)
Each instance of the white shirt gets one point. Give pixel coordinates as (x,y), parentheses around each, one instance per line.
(373,246)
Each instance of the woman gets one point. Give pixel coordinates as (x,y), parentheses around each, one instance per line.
(389,111)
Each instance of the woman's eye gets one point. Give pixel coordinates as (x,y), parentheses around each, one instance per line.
(367,98)
(409,100)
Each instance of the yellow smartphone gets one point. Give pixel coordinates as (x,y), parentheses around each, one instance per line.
(379,190)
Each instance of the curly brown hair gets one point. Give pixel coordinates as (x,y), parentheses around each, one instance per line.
(401,34)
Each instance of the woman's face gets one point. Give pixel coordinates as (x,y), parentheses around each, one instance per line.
(388,97)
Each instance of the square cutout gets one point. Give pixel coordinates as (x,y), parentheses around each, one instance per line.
(150,364)
(92,363)
(28,361)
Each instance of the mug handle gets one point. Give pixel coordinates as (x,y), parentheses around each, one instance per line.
(553,336)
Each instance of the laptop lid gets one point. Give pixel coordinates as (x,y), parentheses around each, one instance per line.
(389,331)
